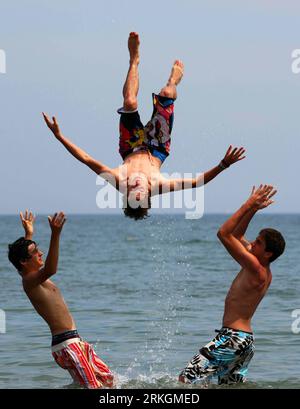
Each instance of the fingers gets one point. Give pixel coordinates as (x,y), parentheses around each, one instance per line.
(48,121)
(228,150)
(258,190)
(238,152)
(62,219)
(54,218)
(272,193)
(28,216)
(46,118)
(234,154)
(265,191)
(58,219)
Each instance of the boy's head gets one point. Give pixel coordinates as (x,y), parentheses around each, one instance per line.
(274,242)
(269,245)
(137,212)
(25,255)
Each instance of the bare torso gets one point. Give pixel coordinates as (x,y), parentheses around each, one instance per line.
(139,162)
(50,305)
(243,298)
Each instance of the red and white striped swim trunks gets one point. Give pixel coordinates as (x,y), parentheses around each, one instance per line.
(85,367)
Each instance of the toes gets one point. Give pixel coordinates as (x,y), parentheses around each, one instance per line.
(179,63)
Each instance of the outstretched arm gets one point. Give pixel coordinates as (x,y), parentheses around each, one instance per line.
(77,152)
(231,156)
(259,199)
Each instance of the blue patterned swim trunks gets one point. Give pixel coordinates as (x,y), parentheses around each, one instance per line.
(227,356)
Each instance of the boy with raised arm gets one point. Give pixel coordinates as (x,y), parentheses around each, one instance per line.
(144,148)
(68,349)
(229,353)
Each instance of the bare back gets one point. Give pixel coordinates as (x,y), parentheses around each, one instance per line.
(47,300)
(243,298)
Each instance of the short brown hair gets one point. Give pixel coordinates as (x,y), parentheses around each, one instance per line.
(138,213)
(18,251)
(275,242)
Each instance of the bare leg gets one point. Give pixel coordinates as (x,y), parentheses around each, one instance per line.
(131,86)
(170,89)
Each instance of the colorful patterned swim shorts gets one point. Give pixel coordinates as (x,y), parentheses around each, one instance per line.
(85,367)
(155,136)
(227,356)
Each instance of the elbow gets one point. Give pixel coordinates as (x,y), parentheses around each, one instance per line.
(220,234)
(201,180)
(86,159)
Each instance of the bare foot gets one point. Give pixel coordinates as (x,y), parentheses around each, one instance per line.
(176,73)
(133,46)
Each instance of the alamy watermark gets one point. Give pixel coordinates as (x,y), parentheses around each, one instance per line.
(296,61)
(296,323)
(188,192)
(2,322)
(2,62)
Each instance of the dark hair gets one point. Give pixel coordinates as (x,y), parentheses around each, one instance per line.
(138,213)
(18,251)
(275,242)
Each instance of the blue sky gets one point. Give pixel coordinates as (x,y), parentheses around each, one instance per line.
(69,58)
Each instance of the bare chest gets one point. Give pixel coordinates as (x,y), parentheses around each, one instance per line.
(136,165)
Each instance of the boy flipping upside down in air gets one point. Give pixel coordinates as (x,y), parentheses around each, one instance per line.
(144,148)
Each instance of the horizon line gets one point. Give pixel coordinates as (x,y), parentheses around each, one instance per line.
(153,214)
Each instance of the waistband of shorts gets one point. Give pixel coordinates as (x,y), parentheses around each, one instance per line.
(123,111)
(233,329)
(164,101)
(59,338)
(65,344)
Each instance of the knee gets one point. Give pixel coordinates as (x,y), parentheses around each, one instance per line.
(168,92)
(130,104)
(181,379)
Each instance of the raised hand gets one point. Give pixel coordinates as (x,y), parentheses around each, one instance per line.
(27,221)
(260,198)
(57,222)
(233,155)
(53,126)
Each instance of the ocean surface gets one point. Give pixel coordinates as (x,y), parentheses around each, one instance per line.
(147,295)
